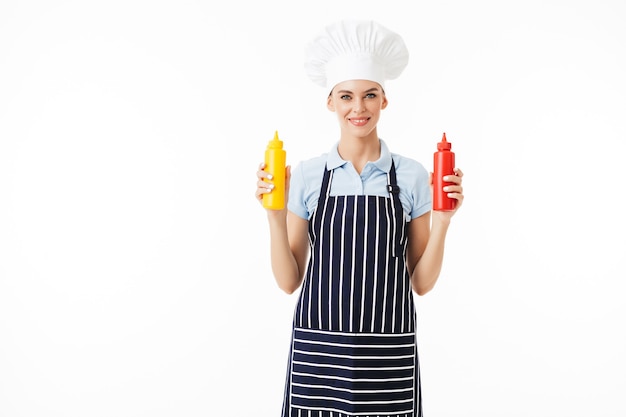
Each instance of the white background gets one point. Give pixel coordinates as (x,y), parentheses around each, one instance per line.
(134,272)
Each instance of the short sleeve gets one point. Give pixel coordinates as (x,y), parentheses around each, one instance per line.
(296,203)
(421,194)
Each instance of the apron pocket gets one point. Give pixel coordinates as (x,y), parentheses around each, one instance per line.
(358,373)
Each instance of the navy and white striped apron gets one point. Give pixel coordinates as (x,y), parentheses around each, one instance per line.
(354,350)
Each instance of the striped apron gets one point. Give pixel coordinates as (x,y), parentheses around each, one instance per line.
(354,350)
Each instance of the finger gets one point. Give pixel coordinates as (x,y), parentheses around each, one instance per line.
(458,197)
(452,178)
(259,195)
(287,179)
(458,172)
(263,188)
(261,174)
(453,189)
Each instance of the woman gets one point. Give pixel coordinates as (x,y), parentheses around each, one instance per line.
(358,237)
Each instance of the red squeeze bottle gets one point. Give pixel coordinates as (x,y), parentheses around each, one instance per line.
(443,165)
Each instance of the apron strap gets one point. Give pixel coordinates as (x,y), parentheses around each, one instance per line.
(398,212)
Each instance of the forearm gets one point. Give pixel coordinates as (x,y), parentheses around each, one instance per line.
(428,267)
(284,264)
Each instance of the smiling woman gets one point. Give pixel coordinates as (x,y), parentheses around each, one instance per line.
(357,239)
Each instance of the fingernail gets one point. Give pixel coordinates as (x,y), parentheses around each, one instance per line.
(270,176)
(446,188)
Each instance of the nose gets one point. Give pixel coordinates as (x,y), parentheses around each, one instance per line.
(359,106)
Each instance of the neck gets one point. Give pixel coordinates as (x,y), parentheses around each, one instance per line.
(359,150)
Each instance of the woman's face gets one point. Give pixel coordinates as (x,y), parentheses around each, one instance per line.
(358,104)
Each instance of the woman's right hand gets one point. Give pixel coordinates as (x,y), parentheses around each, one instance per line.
(265,186)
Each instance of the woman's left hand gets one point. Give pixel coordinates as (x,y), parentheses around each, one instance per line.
(454,191)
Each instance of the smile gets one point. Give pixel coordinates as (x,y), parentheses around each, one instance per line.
(359,121)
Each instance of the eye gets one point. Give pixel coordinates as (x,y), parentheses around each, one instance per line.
(345,97)
(371,95)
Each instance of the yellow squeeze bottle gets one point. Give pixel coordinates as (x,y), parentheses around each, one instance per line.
(275,162)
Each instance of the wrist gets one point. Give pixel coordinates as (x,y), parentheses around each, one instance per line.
(276,216)
(440,221)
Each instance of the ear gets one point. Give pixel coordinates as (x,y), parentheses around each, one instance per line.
(330,104)
(383,105)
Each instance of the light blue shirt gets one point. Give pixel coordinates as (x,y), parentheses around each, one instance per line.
(411,176)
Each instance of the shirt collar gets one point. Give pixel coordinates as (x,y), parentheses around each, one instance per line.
(383,163)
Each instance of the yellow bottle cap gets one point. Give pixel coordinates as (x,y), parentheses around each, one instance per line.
(276,143)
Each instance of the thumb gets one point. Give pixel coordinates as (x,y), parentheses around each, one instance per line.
(287,179)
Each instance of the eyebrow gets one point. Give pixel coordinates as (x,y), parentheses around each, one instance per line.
(350,92)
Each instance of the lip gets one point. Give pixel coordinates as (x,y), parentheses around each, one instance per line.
(359,121)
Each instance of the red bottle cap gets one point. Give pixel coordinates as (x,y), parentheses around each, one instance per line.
(444,145)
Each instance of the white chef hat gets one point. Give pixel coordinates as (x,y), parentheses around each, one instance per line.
(355,50)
